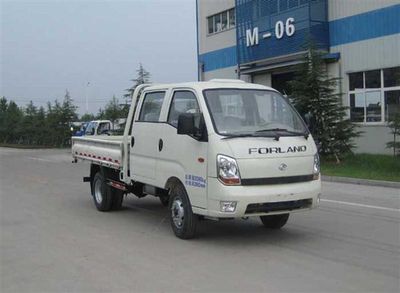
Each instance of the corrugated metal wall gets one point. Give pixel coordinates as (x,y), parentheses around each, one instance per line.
(310,20)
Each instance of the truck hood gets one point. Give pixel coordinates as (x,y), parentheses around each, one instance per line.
(264,157)
(267,147)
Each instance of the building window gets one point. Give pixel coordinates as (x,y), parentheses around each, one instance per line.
(391,77)
(232,17)
(221,21)
(374,95)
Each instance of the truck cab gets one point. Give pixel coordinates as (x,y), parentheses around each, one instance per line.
(217,150)
(98,127)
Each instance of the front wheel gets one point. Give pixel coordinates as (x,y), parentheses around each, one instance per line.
(164,200)
(274,221)
(183,221)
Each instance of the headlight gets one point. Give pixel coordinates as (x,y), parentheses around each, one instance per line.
(228,170)
(316,167)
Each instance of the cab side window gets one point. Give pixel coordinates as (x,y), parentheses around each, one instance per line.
(103,128)
(182,102)
(151,107)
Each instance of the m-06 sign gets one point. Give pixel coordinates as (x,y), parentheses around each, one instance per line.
(281,29)
(274,28)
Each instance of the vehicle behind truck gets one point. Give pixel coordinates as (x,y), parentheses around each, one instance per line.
(94,128)
(221,149)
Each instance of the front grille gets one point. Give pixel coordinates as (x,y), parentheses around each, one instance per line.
(277,180)
(278,206)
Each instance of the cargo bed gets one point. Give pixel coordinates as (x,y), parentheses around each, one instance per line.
(104,151)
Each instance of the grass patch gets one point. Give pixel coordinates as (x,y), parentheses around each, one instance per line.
(365,166)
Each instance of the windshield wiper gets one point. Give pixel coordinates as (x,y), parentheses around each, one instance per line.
(305,134)
(275,133)
(228,136)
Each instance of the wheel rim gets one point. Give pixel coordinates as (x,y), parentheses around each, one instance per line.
(97,191)
(178,212)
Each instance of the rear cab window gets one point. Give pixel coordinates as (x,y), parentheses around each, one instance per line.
(151,107)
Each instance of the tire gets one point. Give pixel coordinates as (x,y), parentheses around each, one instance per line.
(183,221)
(274,221)
(117,198)
(110,198)
(164,200)
(101,193)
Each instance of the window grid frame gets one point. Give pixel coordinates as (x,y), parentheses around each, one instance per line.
(228,26)
(364,91)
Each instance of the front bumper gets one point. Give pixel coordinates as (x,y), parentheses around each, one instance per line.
(247,197)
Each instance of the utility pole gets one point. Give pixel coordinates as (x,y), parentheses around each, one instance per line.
(86,96)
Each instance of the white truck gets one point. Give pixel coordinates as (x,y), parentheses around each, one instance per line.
(98,127)
(221,149)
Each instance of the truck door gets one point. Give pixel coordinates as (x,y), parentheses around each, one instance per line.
(144,142)
(182,156)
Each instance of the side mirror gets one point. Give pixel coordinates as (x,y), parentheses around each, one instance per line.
(186,124)
(192,124)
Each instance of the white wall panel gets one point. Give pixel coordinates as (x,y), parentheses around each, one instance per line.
(219,40)
(343,8)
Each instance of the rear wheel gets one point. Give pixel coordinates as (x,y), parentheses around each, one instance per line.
(105,197)
(101,193)
(183,221)
(117,198)
(274,221)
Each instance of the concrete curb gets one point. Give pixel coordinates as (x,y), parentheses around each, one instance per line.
(390,184)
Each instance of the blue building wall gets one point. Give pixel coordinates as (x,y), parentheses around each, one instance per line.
(219,59)
(310,19)
(369,25)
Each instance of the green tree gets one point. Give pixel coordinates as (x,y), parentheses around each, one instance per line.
(143,76)
(101,114)
(41,126)
(394,125)
(87,117)
(67,116)
(27,127)
(114,110)
(12,119)
(58,121)
(3,114)
(36,126)
(54,126)
(315,96)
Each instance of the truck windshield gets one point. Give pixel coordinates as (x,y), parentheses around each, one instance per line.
(90,129)
(247,112)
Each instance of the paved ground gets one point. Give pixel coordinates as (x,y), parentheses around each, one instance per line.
(54,240)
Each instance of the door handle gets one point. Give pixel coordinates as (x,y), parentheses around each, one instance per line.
(160,145)
(132,141)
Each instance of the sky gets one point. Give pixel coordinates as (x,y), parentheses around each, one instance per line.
(93,48)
